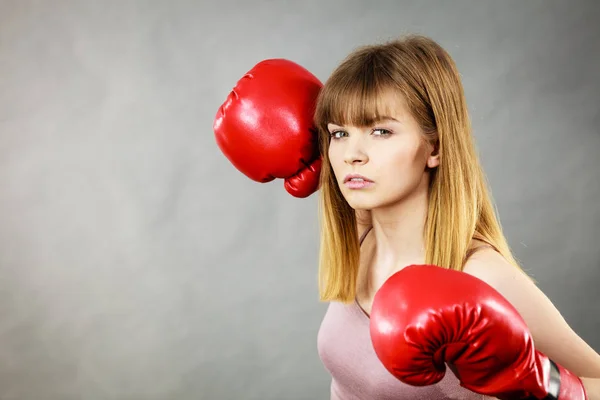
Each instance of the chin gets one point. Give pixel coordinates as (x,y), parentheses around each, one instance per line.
(363,201)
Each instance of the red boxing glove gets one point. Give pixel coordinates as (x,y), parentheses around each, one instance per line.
(425,316)
(265,127)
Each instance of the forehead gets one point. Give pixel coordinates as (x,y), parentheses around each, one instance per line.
(367,110)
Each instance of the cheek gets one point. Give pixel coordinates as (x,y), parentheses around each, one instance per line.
(405,157)
(335,157)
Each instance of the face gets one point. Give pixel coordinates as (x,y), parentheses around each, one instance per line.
(382,164)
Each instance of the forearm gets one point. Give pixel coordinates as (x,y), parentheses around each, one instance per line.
(592,388)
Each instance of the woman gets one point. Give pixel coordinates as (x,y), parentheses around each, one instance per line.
(401,184)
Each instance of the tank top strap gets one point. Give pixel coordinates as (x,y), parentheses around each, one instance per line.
(485,245)
(364,235)
(474,250)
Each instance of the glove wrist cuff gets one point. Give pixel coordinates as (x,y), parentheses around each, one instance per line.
(563,384)
(554,382)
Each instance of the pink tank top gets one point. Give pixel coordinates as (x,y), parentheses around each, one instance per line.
(345,349)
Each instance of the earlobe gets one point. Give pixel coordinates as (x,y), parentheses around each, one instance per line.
(433,161)
(434,158)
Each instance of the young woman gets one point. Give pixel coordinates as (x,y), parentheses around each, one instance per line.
(401,184)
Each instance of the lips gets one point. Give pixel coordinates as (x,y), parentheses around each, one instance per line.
(356,178)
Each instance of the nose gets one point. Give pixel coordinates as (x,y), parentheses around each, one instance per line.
(355,152)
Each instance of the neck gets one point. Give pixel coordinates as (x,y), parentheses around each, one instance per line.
(398,230)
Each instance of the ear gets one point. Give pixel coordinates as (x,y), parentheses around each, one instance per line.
(433,158)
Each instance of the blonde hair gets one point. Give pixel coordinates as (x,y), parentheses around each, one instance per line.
(460,205)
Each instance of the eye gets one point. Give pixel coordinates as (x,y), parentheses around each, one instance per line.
(382,132)
(337,134)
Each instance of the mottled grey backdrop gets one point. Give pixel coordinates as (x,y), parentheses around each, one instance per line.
(137,263)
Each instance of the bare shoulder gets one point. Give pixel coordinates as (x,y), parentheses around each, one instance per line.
(490,266)
(551,333)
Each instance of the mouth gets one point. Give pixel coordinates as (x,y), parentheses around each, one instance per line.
(357,182)
(356,178)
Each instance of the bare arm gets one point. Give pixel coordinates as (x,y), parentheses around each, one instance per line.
(592,388)
(551,334)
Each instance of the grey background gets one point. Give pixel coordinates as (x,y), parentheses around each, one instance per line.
(137,263)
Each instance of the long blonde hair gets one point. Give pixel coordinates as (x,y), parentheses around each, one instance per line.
(460,204)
